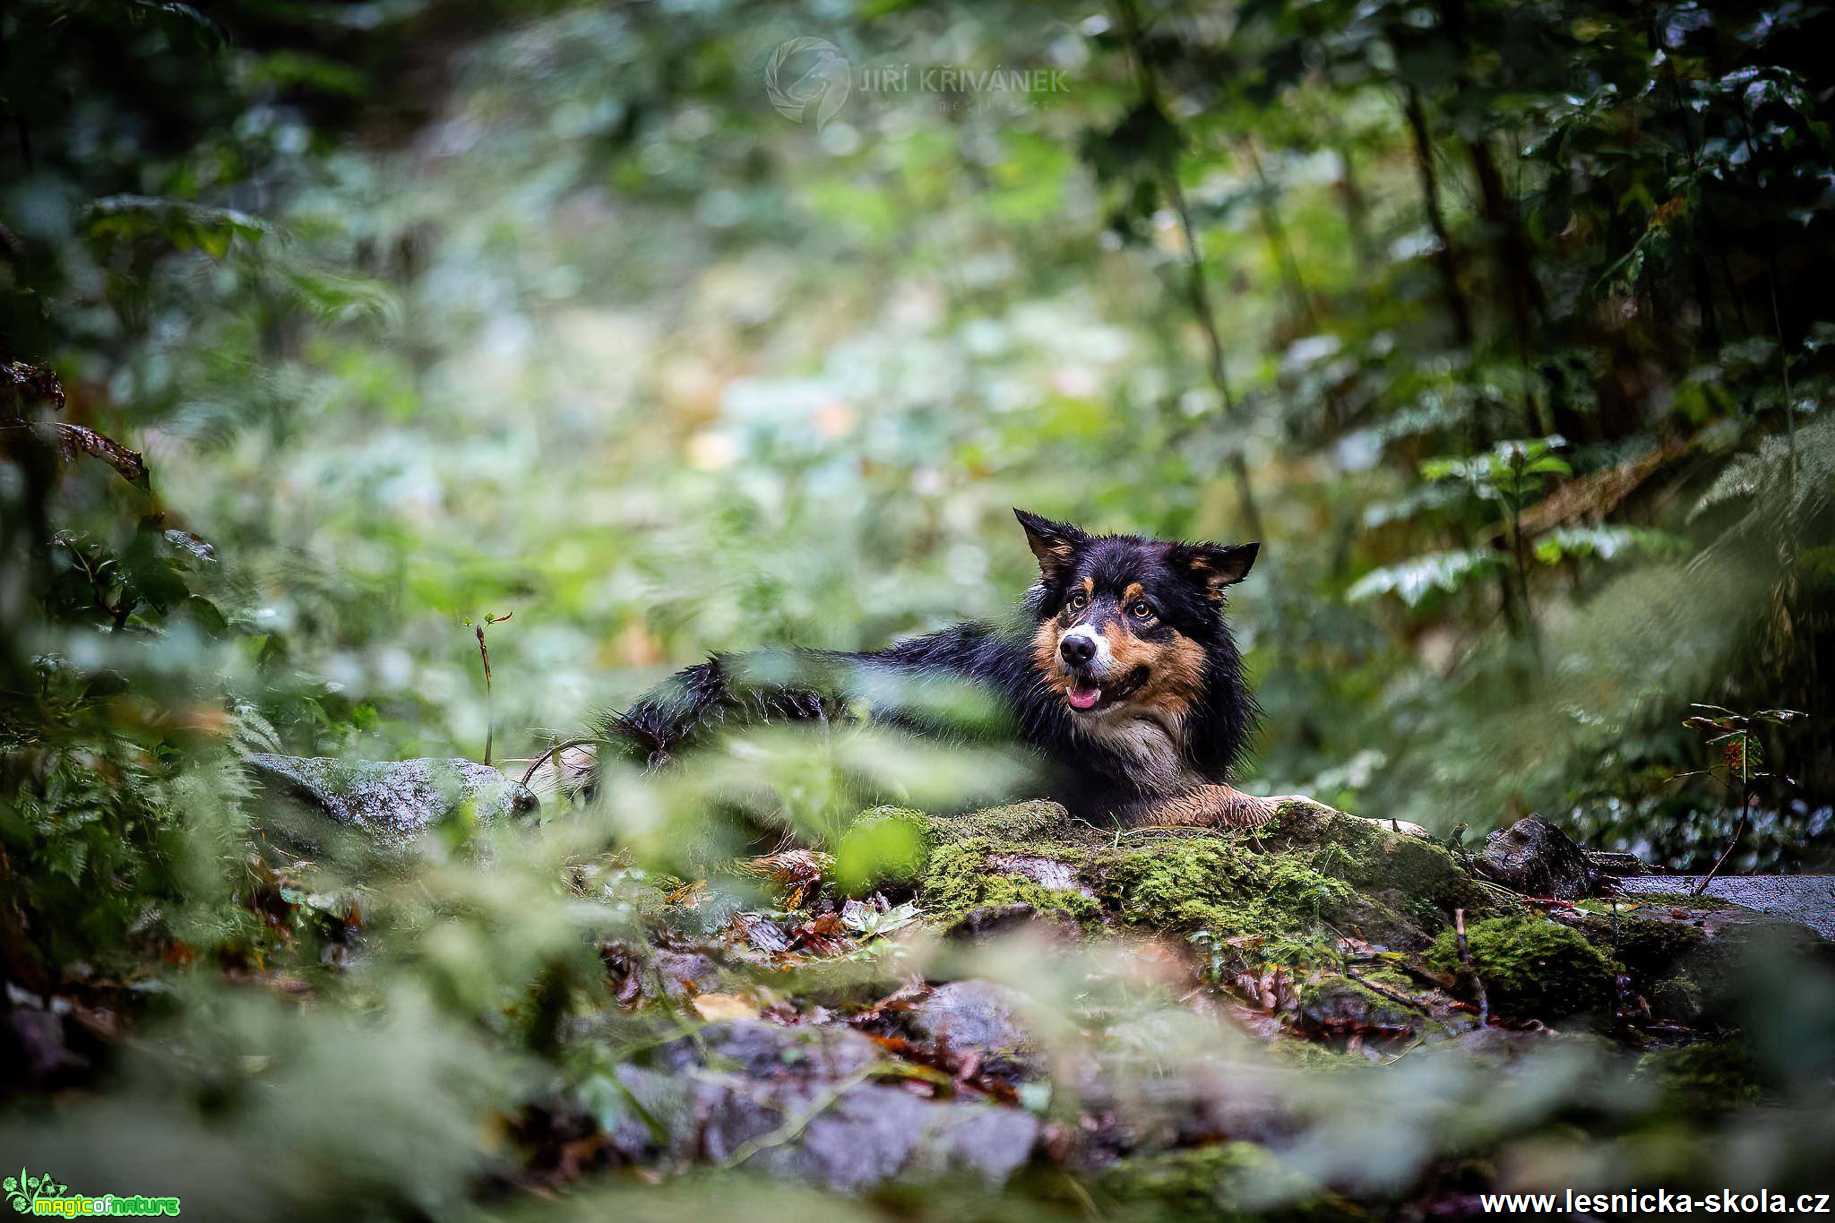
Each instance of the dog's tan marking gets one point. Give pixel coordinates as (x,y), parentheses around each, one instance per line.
(1176,681)
(1134,591)
(1128,650)
(1045,655)
(1053,552)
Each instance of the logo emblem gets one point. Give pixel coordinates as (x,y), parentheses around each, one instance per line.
(808,72)
(23,1191)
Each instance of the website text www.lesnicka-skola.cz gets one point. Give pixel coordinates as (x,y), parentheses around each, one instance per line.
(1726,1202)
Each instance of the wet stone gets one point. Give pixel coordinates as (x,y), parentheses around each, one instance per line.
(1534,857)
(394,800)
(971,1017)
(804,1104)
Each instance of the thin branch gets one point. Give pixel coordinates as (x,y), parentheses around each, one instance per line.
(792,1129)
(1198,289)
(1465,958)
(1739,829)
(490,720)
(559,747)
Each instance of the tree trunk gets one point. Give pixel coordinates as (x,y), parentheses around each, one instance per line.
(1446,258)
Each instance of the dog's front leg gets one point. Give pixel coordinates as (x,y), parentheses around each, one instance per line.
(1207,806)
(1213,806)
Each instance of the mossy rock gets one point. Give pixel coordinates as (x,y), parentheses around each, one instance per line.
(1372,854)
(1279,893)
(1706,1080)
(1221,885)
(1015,824)
(1229,1181)
(1685,954)
(1532,968)
(1334,1005)
(977,873)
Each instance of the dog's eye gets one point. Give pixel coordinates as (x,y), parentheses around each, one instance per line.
(1079,601)
(1141,610)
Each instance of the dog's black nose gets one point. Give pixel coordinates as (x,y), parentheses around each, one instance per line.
(1077,650)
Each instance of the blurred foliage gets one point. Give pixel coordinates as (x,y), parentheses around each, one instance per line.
(327,330)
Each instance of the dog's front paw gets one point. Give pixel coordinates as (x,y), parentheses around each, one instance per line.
(1286,805)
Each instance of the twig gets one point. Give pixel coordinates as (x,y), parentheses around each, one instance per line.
(559,747)
(1739,829)
(490,720)
(1378,988)
(1465,958)
(793,1128)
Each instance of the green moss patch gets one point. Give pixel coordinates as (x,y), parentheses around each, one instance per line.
(1014,825)
(1333,1005)
(1370,854)
(1223,886)
(1707,1079)
(1230,1181)
(980,872)
(1281,893)
(1532,968)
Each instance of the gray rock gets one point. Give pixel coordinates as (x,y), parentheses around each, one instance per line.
(795,1103)
(1617,865)
(994,920)
(1808,900)
(971,1017)
(1341,1007)
(394,800)
(1535,858)
(1048,873)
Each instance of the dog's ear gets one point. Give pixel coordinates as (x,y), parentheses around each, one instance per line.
(1216,565)
(1054,543)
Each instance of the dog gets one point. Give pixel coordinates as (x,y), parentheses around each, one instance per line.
(1118,674)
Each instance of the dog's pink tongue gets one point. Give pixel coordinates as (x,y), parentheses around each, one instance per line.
(1084,698)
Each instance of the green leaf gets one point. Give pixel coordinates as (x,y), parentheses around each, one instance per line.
(1605,542)
(184,225)
(1414,580)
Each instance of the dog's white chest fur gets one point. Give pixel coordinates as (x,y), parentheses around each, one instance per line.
(1158,765)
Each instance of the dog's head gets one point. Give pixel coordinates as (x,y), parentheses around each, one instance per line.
(1126,625)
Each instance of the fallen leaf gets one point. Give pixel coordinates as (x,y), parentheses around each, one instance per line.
(724,1006)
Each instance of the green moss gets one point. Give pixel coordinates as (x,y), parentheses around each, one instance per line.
(1012,825)
(1390,978)
(1532,968)
(1302,1054)
(1706,1079)
(1650,946)
(1677,999)
(965,875)
(1370,854)
(1233,1180)
(1226,888)
(1282,893)
(1332,1005)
